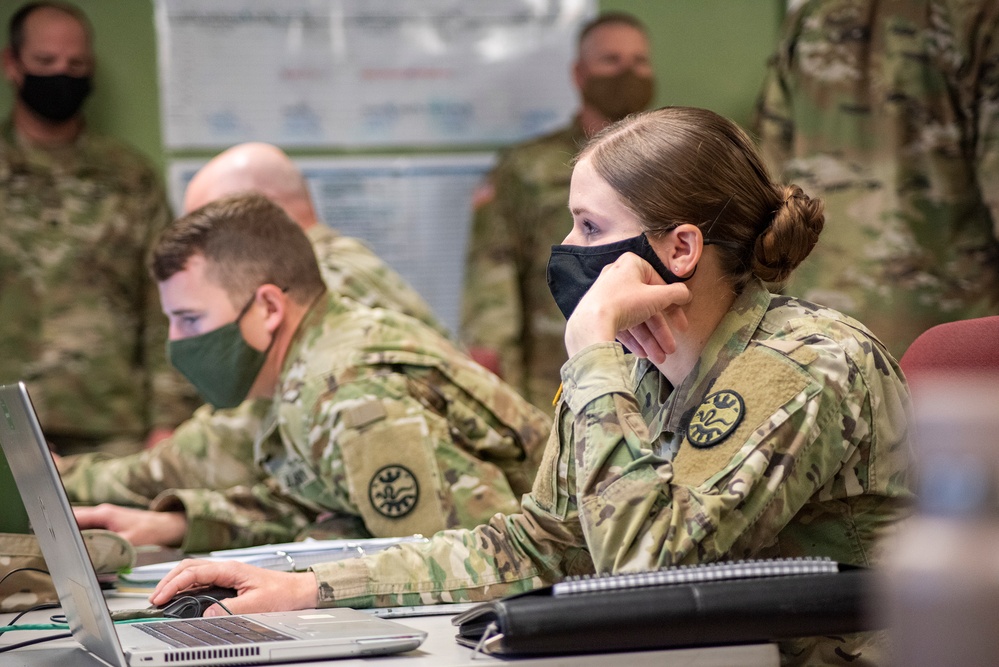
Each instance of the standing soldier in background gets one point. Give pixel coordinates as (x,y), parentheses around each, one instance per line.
(510,323)
(80,316)
(889,111)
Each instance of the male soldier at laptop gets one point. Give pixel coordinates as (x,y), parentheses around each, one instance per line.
(378,423)
(211,450)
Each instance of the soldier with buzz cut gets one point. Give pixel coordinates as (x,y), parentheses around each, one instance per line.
(509,322)
(889,111)
(363,422)
(744,424)
(78,212)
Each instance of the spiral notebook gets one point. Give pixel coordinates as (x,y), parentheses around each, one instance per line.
(699,605)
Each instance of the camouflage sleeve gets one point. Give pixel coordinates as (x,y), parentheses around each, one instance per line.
(351,269)
(492,312)
(212,450)
(986,89)
(241,516)
(399,466)
(729,496)
(509,554)
(772,120)
(367,449)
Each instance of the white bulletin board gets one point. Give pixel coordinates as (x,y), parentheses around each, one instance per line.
(365,73)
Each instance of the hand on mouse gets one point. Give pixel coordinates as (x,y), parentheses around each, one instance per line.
(193,603)
(258,589)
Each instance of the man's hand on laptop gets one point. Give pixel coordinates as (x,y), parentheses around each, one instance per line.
(140,527)
(259,590)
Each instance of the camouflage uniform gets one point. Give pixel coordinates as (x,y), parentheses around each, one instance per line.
(889,111)
(506,305)
(351,269)
(81,320)
(210,451)
(812,459)
(378,427)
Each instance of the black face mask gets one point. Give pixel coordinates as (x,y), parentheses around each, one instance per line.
(57,97)
(573,269)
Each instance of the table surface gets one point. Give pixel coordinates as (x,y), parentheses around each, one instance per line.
(439,649)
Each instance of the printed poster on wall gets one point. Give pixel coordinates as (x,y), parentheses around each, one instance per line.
(365,73)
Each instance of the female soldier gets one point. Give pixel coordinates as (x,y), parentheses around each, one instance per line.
(743,424)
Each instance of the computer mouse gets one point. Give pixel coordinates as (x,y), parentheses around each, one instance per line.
(193,603)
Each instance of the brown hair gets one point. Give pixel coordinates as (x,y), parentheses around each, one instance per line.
(248,241)
(687,165)
(610,18)
(15,29)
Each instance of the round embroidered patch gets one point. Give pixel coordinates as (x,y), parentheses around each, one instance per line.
(716,417)
(393,491)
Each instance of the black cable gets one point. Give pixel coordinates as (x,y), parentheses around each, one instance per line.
(219,603)
(23,569)
(31,642)
(47,605)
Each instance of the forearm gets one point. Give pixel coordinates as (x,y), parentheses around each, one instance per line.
(510,554)
(212,450)
(238,517)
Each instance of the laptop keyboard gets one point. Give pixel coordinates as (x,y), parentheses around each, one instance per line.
(214,631)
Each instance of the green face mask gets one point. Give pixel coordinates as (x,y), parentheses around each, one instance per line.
(220,364)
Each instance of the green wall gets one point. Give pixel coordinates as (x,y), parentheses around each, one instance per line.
(708,53)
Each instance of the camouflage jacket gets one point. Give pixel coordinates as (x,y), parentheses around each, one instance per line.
(211,451)
(378,427)
(351,269)
(788,438)
(81,319)
(506,305)
(889,111)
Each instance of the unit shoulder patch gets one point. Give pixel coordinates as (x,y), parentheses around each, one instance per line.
(717,416)
(393,491)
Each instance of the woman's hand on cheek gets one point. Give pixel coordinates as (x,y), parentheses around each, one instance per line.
(628,302)
(653,338)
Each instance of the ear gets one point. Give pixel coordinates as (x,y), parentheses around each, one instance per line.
(10,70)
(681,250)
(275,302)
(578,74)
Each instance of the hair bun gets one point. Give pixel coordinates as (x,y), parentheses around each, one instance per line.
(789,237)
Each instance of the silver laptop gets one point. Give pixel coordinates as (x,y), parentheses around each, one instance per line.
(245,638)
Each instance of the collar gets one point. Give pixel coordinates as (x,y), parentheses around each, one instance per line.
(26,155)
(730,339)
(313,317)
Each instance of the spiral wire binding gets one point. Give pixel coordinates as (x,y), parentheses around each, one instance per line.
(698,573)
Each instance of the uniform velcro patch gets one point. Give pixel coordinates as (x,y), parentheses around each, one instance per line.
(363,414)
(765,383)
(393,460)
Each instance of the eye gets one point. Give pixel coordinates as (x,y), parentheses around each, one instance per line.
(187,325)
(588,228)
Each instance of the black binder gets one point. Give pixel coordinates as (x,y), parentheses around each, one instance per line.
(713,604)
